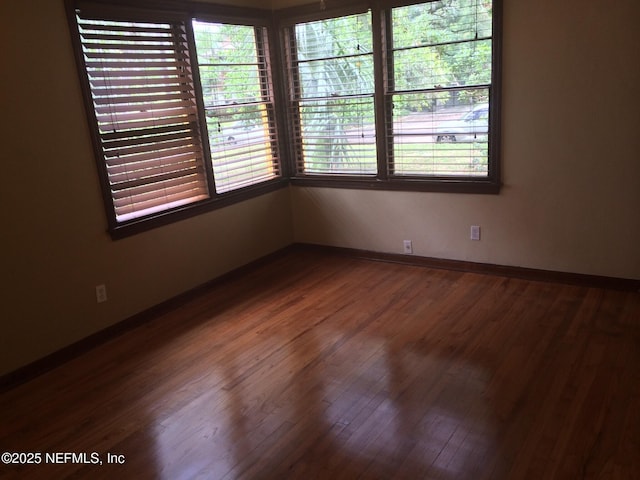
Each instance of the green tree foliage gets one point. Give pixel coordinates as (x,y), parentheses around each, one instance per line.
(230,73)
(441,44)
(228,63)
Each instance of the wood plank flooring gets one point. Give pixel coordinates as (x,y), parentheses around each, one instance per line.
(328,367)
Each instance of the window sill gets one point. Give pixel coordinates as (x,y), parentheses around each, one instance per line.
(443,185)
(139,225)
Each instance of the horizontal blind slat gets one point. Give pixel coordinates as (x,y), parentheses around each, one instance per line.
(112,67)
(128,108)
(183,183)
(166,46)
(139,57)
(121,164)
(145,100)
(151,162)
(113,35)
(158,149)
(136,115)
(147,180)
(150,135)
(127,27)
(152,121)
(133,83)
(143,90)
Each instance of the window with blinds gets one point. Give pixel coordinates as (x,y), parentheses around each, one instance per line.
(238,103)
(142,88)
(439,77)
(332,96)
(185,102)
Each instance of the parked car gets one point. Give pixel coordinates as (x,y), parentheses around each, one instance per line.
(471,126)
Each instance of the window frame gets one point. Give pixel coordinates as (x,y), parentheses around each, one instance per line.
(142,11)
(267,101)
(297,98)
(385,180)
(278,23)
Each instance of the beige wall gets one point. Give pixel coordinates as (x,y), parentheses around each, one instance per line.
(571,170)
(571,158)
(54,246)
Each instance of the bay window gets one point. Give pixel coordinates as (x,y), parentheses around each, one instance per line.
(194,106)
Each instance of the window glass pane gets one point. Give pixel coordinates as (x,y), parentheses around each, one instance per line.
(338,136)
(350,35)
(238,104)
(447,141)
(441,22)
(229,67)
(443,66)
(336,77)
(442,44)
(241,146)
(335,57)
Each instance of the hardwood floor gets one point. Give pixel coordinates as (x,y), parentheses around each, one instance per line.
(322,366)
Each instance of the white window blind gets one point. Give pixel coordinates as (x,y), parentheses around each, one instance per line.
(238,101)
(440,77)
(143,94)
(332,99)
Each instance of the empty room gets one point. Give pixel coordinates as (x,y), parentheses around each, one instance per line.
(318,239)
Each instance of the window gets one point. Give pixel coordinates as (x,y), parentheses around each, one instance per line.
(184,106)
(440,80)
(333,96)
(183,111)
(238,103)
(144,100)
(405,97)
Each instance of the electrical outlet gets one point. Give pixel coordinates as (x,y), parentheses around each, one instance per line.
(475,232)
(101,293)
(408,247)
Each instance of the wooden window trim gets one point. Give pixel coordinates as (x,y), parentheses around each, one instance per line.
(312,141)
(276,21)
(490,184)
(151,11)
